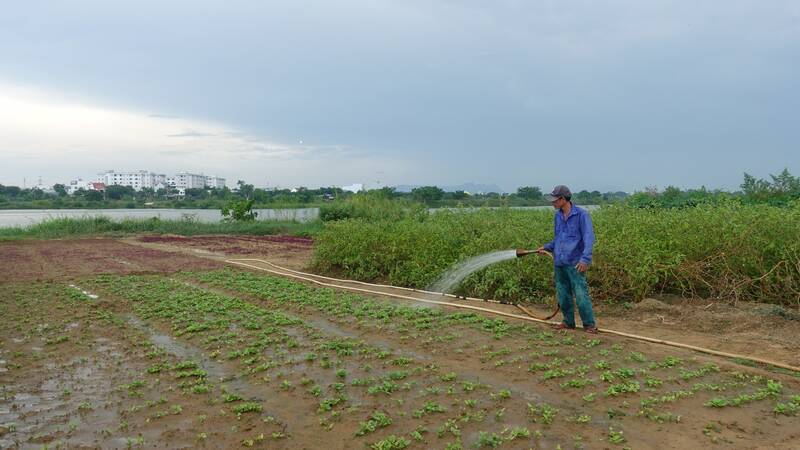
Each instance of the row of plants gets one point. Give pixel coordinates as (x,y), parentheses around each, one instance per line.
(389,394)
(598,372)
(728,251)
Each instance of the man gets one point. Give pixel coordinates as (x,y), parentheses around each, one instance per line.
(572,254)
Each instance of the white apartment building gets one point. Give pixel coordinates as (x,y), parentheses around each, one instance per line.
(144,179)
(215,182)
(185,180)
(136,180)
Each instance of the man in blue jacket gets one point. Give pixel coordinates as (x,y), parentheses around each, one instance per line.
(572,254)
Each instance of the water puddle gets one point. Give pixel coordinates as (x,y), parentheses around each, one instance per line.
(86,293)
(215,370)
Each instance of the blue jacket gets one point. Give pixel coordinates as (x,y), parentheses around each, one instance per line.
(574,238)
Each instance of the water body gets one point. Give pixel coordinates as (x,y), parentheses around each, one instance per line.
(456,275)
(25,217)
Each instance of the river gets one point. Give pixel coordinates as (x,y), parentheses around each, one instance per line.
(26,217)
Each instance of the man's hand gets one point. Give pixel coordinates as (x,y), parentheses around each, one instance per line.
(582,267)
(541,251)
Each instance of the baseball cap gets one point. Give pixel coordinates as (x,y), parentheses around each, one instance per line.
(558,191)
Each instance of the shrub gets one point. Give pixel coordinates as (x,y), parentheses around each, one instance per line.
(724,251)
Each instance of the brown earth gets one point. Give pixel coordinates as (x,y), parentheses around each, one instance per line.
(73,378)
(66,259)
(66,369)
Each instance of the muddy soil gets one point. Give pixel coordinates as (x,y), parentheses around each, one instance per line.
(66,259)
(86,366)
(764,331)
(73,374)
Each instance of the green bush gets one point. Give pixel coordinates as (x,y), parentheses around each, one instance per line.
(373,205)
(726,251)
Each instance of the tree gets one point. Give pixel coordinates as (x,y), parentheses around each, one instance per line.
(245,190)
(60,189)
(10,191)
(387,192)
(755,189)
(116,192)
(146,194)
(529,192)
(785,183)
(93,196)
(427,194)
(239,211)
(458,195)
(196,193)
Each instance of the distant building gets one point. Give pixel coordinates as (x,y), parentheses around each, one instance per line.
(137,180)
(186,180)
(215,182)
(144,179)
(75,185)
(357,187)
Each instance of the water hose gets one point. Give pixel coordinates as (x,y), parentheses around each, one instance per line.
(309,277)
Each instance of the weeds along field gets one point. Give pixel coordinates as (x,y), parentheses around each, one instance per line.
(233,359)
(723,251)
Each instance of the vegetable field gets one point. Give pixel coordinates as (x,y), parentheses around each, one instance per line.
(234,359)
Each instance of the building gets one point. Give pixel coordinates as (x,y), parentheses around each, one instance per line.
(215,182)
(144,179)
(76,185)
(357,187)
(185,180)
(137,180)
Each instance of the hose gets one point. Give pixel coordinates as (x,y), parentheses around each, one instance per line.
(282,271)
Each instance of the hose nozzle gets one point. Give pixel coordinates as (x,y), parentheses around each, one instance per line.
(523,252)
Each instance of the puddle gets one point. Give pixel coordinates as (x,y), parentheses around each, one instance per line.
(215,370)
(86,293)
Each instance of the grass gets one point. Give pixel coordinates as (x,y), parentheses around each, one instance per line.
(58,228)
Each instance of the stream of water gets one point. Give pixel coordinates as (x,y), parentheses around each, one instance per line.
(453,277)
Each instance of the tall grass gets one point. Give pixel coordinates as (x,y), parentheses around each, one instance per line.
(727,251)
(370,206)
(90,226)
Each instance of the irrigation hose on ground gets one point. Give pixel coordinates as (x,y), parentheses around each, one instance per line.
(309,277)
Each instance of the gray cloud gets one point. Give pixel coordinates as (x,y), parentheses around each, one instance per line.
(624,93)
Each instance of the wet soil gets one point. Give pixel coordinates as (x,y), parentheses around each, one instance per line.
(74,367)
(764,331)
(73,377)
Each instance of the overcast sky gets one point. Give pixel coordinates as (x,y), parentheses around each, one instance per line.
(596,94)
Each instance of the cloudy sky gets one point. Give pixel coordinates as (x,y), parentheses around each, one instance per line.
(618,94)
